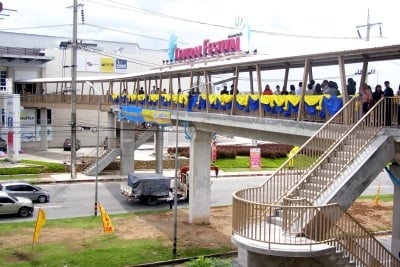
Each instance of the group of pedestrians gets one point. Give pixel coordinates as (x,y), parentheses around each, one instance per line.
(326,87)
(369,98)
(225,91)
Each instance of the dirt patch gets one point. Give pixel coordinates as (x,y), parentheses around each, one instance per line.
(155,226)
(161,226)
(374,218)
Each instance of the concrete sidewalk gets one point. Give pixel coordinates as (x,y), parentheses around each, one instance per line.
(102,177)
(145,153)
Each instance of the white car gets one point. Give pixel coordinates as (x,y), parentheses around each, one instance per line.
(21,189)
(15,205)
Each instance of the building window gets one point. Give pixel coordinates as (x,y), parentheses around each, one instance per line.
(3,117)
(3,81)
(38,116)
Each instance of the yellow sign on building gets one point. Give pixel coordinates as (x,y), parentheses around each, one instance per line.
(106,64)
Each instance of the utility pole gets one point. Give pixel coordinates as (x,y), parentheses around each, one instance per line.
(73,89)
(368,26)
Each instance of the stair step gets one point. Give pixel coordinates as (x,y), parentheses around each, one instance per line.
(307,193)
(343,154)
(340,259)
(331,166)
(338,160)
(314,186)
(324,173)
(349,148)
(275,220)
(318,180)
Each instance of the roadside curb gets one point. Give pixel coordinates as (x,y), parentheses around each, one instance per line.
(51,180)
(183,260)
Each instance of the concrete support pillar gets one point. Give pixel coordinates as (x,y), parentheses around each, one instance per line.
(127,148)
(199,178)
(159,140)
(111,130)
(43,129)
(395,249)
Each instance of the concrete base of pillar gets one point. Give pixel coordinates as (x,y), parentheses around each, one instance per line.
(252,259)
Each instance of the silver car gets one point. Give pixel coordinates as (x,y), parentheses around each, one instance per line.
(21,189)
(15,205)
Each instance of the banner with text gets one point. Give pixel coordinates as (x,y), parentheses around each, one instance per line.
(255,158)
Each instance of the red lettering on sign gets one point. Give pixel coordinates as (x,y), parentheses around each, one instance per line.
(208,49)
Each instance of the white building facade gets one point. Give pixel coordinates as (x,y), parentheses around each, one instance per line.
(27,56)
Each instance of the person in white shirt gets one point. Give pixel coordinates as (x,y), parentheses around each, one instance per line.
(277,90)
(299,88)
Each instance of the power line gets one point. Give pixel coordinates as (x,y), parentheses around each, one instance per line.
(132,60)
(153,13)
(37,27)
(157,14)
(129,33)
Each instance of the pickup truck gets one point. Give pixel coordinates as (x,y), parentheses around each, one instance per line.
(149,188)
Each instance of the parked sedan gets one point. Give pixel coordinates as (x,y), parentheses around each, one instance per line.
(21,189)
(68,144)
(15,205)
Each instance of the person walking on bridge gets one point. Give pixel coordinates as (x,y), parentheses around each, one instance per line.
(388,94)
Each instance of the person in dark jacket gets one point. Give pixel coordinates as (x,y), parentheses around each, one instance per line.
(351,86)
(377,94)
(388,94)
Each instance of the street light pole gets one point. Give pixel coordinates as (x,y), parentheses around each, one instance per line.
(73,89)
(96,186)
(176,178)
(176,174)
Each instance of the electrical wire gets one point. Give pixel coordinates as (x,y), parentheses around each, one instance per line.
(122,6)
(132,60)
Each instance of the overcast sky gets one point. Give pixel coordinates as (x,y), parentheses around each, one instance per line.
(193,20)
(284,27)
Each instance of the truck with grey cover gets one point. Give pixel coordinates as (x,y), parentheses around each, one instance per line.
(149,188)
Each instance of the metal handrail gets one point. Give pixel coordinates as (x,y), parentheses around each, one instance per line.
(293,224)
(319,225)
(290,173)
(365,128)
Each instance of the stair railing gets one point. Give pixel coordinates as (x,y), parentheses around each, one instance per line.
(291,171)
(330,225)
(353,141)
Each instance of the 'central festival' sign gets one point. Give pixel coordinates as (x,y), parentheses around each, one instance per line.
(208,49)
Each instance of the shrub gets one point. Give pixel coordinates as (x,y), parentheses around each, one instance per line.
(273,151)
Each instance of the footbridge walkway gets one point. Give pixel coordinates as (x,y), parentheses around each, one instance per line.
(300,210)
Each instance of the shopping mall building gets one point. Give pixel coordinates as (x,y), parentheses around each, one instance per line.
(28,56)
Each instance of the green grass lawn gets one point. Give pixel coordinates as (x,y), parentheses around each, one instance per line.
(29,169)
(101,250)
(241,163)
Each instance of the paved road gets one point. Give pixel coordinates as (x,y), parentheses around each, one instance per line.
(76,200)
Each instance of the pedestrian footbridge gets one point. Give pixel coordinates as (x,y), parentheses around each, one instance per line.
(300,210)
(297,217)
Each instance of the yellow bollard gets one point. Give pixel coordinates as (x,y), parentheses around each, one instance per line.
(376,199)
(291,154)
